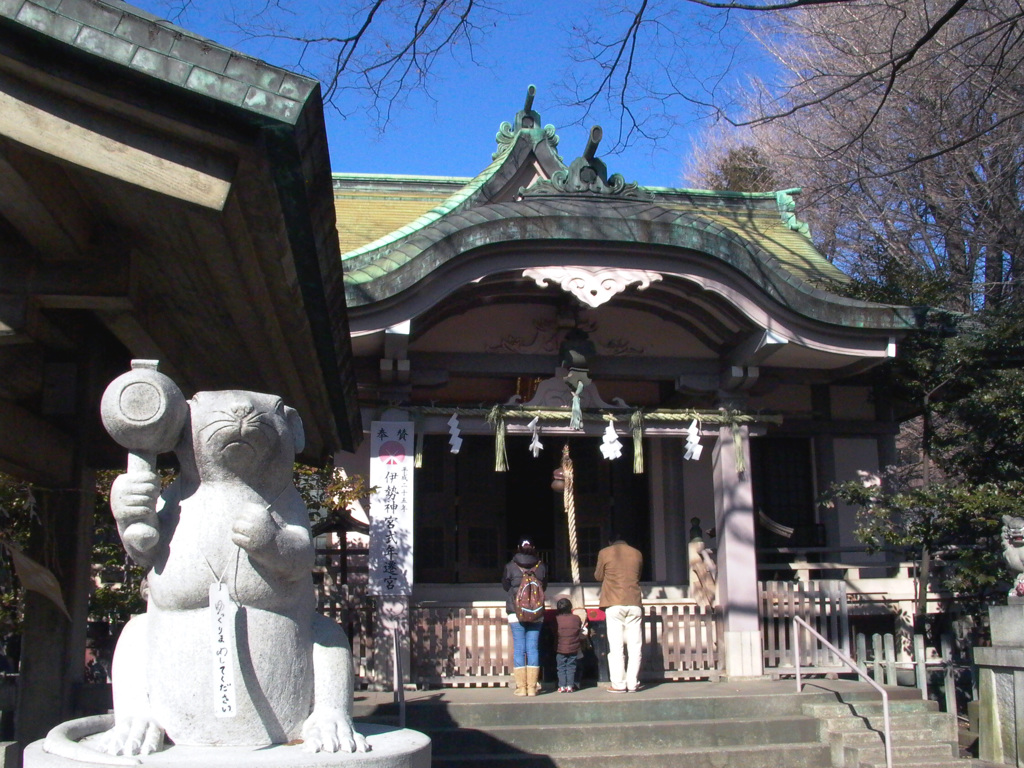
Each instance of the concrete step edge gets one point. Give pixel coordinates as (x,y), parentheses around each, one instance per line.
(877,755)
(623,709)
(917,720)
(899,736)
(838,709)
(937,749)
(726,722)
(723,754)
(551,698)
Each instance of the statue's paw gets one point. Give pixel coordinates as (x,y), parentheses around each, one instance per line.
(133,736)
(141,536)
(253,529)
(133,497)
(332,731)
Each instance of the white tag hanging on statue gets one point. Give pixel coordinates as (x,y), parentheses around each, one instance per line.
(610,445)
(535,445)
(455,441)
(222,629)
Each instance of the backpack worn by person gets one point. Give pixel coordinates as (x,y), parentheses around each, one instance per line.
(529,599)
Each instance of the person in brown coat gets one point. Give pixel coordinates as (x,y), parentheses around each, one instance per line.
(567,644)
(618,569)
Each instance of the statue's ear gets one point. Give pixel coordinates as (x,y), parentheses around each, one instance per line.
(1006,519)
(295,425)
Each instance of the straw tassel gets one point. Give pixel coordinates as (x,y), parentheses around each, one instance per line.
(636,425)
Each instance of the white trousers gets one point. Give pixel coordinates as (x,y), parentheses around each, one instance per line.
(624,633)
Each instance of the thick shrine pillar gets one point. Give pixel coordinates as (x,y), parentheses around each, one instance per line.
(737,558)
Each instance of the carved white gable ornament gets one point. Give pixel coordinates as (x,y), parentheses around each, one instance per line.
(592,285)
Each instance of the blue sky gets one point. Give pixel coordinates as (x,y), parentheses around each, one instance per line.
(450,130)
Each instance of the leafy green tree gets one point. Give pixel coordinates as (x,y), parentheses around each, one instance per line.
(17,516)
(956,525)
(330,493)
(944,506)
(979,425)
(117,596)
(118,593)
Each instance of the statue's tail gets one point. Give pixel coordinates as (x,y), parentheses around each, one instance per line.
(62,741)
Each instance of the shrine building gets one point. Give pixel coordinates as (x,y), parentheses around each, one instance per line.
(690,351)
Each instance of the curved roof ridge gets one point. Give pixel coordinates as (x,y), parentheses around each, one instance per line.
(681,229)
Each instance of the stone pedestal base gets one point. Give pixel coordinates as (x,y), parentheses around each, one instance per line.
(390,748)
(1001,688)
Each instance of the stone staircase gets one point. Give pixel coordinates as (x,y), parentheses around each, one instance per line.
(699,725)
(922,736)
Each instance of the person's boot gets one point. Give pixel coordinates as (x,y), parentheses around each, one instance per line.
(519,673)
(532,676)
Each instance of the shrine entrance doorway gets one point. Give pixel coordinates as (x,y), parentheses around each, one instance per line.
(469,518)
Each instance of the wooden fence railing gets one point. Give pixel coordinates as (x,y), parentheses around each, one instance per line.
(467,645)
(454,645)
(681,642)
(822,604)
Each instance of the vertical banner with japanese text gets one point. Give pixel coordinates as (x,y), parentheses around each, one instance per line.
(392,454)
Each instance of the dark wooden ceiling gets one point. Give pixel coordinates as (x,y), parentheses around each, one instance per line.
(139,219)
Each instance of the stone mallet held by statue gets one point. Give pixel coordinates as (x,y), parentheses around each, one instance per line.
(145,412)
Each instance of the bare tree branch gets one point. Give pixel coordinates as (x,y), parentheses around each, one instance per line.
(384,50)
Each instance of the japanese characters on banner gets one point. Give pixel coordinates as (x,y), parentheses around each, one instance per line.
(392,454)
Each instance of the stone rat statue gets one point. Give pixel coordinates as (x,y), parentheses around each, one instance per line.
(230,650)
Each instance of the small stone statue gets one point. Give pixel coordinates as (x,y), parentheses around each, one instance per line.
(1013,551)
(230,650)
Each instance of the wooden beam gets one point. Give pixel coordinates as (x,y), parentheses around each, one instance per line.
(67,283)
(21,322)
(34,449)
(34,221)
(70,132)
(140,344)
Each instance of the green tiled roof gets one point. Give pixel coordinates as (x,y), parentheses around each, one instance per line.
(128,36)
(443,207)
(756,234)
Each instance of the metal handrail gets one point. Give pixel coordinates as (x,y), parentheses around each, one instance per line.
(853,666)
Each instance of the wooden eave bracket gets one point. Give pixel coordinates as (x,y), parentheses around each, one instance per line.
(75,134)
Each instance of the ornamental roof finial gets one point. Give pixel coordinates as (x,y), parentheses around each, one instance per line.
(587,174)
(526,120)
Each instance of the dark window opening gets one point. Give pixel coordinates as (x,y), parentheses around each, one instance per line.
(783,485)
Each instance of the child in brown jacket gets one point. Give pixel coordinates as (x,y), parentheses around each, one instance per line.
(567,646)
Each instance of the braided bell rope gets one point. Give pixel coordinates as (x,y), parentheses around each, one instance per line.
(569,500)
